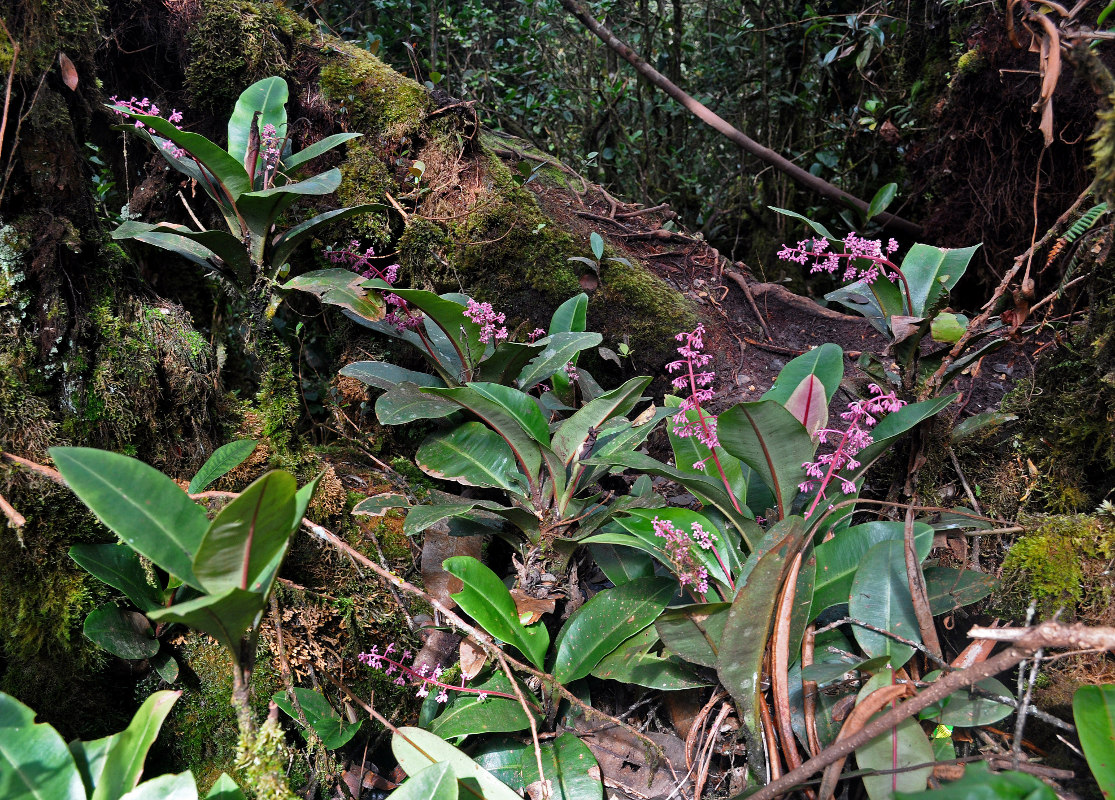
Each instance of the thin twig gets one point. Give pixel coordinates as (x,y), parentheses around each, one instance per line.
(975,553)
(547,789)
(919,594)
(884,632)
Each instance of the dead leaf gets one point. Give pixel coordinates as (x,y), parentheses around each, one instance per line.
(589,282)
(531,609)
(69,71)
(539,790)
(645,417)
(628,764)
(473,659)
(438,545)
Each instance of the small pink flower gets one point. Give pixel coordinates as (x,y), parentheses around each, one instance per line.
(487,318)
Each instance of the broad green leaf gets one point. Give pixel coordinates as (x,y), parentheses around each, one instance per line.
(596,242)
(747,629)
(124,763)
(435,782)
(950,589)
(694,631)
(35,763)
(223,461)
(90,759)
(570,316)
(165,664)
(194,244)
(881,596)
(932,270)
(688,451)
(503,757)
(118,565)
(621,564)
(816,226)
(569,766)
(486,600)
(225,789)
(268,97)
(285,244)
(472,454)
(407,402)
(605,621)
(767,437)
(226,617)
(449,316)
(912,747)
(465,714)
(123,633)
(333,731)
(948,327)
(559,352)
(139,504)
(340,287)
(986,421)
(883,198)
(870,301)
(519,405)
(640,523)
(260,209)
(508,360)
(824,672)
(165,787)
(1093,710)
(840,557)
(979,783)
(318,148)
(825,362)
(633,662)
(379,504)
(416,749)
(575,431)
(247,534)
(421,517)
(382,375)
(191,251)
(967,709)
(263,581)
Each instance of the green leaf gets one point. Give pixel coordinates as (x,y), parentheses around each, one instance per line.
(966,709)
(449,316)
(340,287)
(211,246)
(825,362)
(979,783)
(333,731)
(166,665)
(435,782)
(605,621)
(986,421)
(816,226)
(165,787)
(223,461)
(421,517)
(633,662)
(1093,710)
(621,564)
(317,149)
(840,557)
(191,251)
(226,617)
(948,327)
(407,402)
(268,97)
(950,589)
(486,600)
(503,757)
(559,352)
(575,431)
(640,524)
(883,198)
(519,405)
(465,714)
(285,244)
(139,504)
(416,749)
(873,302)
(568,765)
(263,581)
(123,633)
(377,505)
(247,534)
(472,454)
(571,316)
(35,763)
(225,789)
(912,747)
(90,760)
(118,565)
(768,438)
(382,375)
(694,631)
(688,451)
(260,209)
(881,596)
(508,360)
(932,270)
(596,242)
(124,763)
(744,641)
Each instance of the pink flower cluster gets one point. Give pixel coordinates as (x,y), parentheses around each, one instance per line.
(855,248)
(861,416)
(358,261)
(689,572)
(424,677)
(535,335)
(486,317)
(147,108)
(696,381)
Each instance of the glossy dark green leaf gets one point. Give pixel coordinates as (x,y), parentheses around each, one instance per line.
(165,787)
(634,662)
(826,362)
(688,452)
(223,461)
(247,534)
(379,504)
(124,762)
(950,589)
(35,763)
(285,244)
(262,581)
(260,209)
(472,454)
(882,199)
(119,566)
(1093,710)
(932,270)
(694,632)
(979,783)
(165,664)
(828,671)
(387,376)
(465,714)
(508,360)
(435,782)
(816,226)
(226,617)
(421,517)
(407,402)
(340,287)
(145,508)
(318,148)
(503,757)
(268,97)
(502,420)
(965,708)
(225,789)
(191,251)
(574,431)
(569,766)
(901,748)
(560,350)
(325,721)
(486,600)
(449,316)
(605,621)
(416,749)
(519,405)
(621,564)
(881,596)
(90,759)
(213,245)
(123,633)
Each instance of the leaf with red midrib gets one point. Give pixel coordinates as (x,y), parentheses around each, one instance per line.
(808,404)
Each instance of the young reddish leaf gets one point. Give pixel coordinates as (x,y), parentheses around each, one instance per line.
(808,404)
(69,71)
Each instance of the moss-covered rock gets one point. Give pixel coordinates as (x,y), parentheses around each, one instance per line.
(372,97)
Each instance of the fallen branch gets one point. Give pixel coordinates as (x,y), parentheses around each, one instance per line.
(721,125)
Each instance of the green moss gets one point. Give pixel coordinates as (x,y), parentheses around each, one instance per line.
(365,178)
(422,249)
(376,98)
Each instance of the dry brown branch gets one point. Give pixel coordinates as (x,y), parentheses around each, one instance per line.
(15,519)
